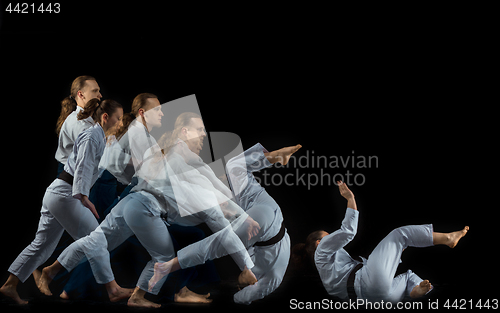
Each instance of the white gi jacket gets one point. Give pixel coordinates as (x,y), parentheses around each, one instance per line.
(375,281)
(82,162)
(71,128)
(334,264)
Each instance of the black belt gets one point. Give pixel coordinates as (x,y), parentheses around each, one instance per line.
(66,177)
(350,282)
(273,240)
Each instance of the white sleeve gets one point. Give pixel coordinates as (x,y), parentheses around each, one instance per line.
(119,164)
(340,238)
(84,168)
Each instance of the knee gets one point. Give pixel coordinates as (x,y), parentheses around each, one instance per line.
(400,233)
(135,214)
(43,241)
(235,171)
(94,244)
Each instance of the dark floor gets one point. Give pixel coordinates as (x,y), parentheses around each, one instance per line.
(304,289)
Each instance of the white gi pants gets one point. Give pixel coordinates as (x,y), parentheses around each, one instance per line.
(60,211)
(270,261)
(130,216)
(375,281)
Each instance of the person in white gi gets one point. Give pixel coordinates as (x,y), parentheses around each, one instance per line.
(269,249)
(127,159)
(65,203)
(73,126)
(141,212)
(373,279)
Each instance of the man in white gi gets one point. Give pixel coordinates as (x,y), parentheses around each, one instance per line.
(269,249)
(141,212)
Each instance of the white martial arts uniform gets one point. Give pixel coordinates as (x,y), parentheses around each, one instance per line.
(140,213)
(375,281)
(199,195)
(270,261)
(61,209)
(71,128)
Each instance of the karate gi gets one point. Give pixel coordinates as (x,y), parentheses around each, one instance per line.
(71,128)
(201,197)
(270,261)
(61,206)
(375,281)
(140,213)
(132,215)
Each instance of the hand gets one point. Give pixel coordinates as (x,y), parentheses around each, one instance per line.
(253,227)
(86,203)
(347,193)
(223,207)
(229,213)
(344,191)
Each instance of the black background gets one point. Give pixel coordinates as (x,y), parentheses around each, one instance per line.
(413,94)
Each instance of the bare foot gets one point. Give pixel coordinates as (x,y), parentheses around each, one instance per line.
(119,293)
(160,271)
(282,155)
(10,291)
(64,295)
(187,296)
(454,238)
(44,281)
(246,277)
(421,289)
(137,300)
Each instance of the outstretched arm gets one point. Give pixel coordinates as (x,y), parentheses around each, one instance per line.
(347,193)
(340,238)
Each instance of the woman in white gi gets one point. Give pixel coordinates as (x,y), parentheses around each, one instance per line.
(126,159)
(65,203)
(269,249)
(373,279)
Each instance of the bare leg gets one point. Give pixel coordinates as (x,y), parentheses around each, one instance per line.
(48,273)
(117,293)
(163,269)
(449,239)
(9,289)
(187,296)
(282,155)
(137,300)
(36,275)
